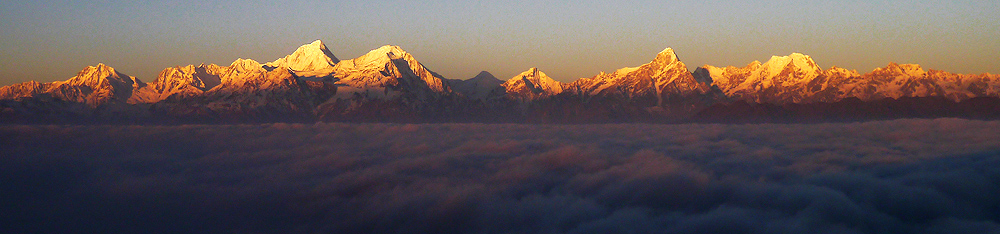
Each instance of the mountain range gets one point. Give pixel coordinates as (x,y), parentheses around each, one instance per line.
(388,84)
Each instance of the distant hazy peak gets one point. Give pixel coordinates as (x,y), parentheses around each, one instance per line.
(484,75)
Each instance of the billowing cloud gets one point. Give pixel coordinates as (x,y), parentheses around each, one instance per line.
(901,176)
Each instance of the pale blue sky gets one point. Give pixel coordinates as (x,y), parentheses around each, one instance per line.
(52,40)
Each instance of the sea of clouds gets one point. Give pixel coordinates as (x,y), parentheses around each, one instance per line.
(900,176)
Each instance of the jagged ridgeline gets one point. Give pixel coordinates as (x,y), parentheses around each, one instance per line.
(390,85)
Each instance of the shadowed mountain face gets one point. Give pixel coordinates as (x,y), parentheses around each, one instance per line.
(388,84)
(480,87)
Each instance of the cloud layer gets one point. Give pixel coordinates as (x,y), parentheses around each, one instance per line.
(902,176)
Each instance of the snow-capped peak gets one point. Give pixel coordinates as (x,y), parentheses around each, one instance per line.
(533,72)
(93,76)
(841,72)
(309,57)
(385,67)
(804,61)
(100,68)
(912,70)
(387,50)
(536,81)
(376,59)
(664,61)
(242,64)
(801,62)
(529,73)
(667,53)
(776,64)
(104,84)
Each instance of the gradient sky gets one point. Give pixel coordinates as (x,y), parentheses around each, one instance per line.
(52,40)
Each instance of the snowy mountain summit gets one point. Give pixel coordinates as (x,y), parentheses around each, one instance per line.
(532,85)
(387,72)
(94,86)
(309,57)
(390,84)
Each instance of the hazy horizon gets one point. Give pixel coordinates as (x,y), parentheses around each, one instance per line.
(52,41)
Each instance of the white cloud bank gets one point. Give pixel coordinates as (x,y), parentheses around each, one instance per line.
(902,176)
